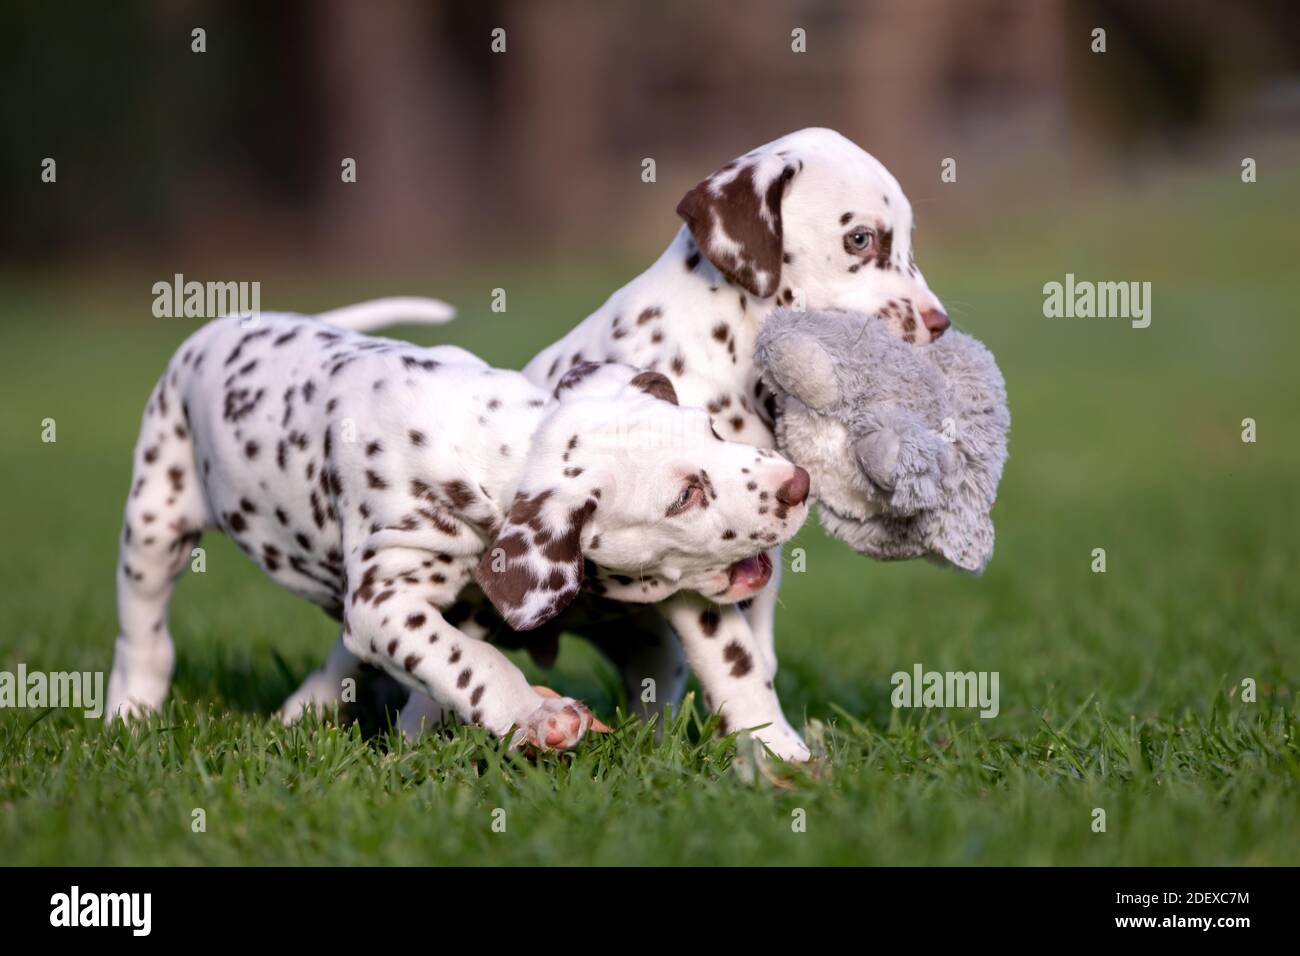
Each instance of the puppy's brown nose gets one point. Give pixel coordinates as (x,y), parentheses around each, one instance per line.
(936,320)
(795,490)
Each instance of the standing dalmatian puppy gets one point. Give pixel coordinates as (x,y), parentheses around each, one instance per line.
(810,218)
(379,480)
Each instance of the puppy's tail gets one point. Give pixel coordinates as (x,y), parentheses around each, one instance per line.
(378,313)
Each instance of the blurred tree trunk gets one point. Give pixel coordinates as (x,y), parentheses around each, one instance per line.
(390,102)
(549,145)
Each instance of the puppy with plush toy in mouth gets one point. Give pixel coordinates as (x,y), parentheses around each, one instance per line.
(809,216)
(811,212)
(379,480)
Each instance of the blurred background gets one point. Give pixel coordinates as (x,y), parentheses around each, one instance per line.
(232,157)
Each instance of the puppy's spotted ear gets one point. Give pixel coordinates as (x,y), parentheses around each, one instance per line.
(735,218)
(533,570)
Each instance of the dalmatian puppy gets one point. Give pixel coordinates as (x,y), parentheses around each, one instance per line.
(809,220)
(380,480)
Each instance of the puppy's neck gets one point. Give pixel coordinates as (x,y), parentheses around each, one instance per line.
(501,453)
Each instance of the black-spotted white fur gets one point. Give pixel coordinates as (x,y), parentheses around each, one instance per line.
(773,227)
(380,480)
(776,226)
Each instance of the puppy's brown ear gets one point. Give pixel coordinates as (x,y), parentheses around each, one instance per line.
(533,570)
(656,384)
(608,379)
(735,218)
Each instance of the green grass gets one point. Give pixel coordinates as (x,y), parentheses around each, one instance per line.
(1118,690)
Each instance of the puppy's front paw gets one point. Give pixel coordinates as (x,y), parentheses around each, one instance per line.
(317,694)
(127,711)
(784,742)
(556,725)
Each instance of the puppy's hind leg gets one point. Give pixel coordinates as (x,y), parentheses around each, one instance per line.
(325,687)
(420,713)
(165,517)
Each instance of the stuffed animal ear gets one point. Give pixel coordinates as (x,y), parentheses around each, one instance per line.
(533,570)
(735,218)
(966,548)
(801,366)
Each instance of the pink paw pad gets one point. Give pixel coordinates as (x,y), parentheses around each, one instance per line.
(558,724)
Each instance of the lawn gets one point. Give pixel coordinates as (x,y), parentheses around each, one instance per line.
(1119,690)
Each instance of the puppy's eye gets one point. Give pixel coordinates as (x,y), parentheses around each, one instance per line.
(690,495)
(858,240)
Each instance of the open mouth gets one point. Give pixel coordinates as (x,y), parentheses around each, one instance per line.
(752,573)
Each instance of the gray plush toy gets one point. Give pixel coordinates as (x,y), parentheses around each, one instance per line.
(905,443)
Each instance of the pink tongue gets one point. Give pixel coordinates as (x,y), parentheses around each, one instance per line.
(750,572)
